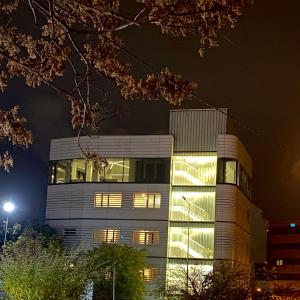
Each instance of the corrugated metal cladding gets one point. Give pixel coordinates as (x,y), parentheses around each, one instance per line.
(197,129)
(145,146)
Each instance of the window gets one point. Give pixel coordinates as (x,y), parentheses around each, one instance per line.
(62,171)
(69,231)
(114,170)
(145,237)
(117,170)
(199,170)
(146,200)
(199,245)
(231,171)
(193,204)
(108,200)
(78,170)
(279,262)
(227,171)
(106,235)
(147,170)
(150,273)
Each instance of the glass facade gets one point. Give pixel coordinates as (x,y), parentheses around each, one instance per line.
(192,211)
(148,170)
(197,170)
(195,241)
(193,204)
(231,171)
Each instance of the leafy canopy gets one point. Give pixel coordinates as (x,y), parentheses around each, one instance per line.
(46,41)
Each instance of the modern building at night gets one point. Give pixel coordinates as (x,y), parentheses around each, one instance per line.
(284,251)
(183,196)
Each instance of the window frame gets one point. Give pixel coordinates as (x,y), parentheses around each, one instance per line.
(156,195)
(105,231)
(109,195)
(154,234)
(152,278)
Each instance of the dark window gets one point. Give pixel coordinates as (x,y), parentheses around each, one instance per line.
(70,231)
(231,172)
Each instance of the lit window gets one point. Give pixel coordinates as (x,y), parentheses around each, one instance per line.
(146,200)
(108,200)
(78,170)
(192,242)
(279,262)
(150,273)
(62,171)
(145,237)
(230,171)
(114,170)
(106,235)
(195,170)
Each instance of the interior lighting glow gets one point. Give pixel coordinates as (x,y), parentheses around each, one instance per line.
(293,225)
(200,159)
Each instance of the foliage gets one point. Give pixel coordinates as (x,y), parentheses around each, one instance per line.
(46,233)
(128,263)
(82,40)
(30,271)
(34,270)
(226,281)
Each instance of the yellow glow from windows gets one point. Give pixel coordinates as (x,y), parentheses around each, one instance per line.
(149,200)
(194,170)
(150,273)
(108,200)
(145,237)
(199,245)
(197,206)
(106,235)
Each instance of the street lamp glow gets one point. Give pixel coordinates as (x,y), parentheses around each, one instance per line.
(8,207)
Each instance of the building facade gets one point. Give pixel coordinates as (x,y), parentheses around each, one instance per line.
(284,251)
(184,196)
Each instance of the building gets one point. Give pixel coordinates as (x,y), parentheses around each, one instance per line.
(184,196)
(284,251)
(259,229)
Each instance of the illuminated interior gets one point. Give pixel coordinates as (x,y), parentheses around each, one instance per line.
(146,200)
(194,206)
(194,170)
(156,170)
(192,214)
(200,244)
(106,235)
(145,237)
(150,273)
(108,200)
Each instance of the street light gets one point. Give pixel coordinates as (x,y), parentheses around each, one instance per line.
(7,207)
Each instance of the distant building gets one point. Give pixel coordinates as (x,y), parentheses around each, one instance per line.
(284,251)
(184,197)
(259,228)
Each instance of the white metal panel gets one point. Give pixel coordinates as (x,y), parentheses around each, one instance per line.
(146,146)
(197,129)
(77,201)
(84,230)
(232,224)
(230,146)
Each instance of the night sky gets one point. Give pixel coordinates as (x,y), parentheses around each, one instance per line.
(255,73)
